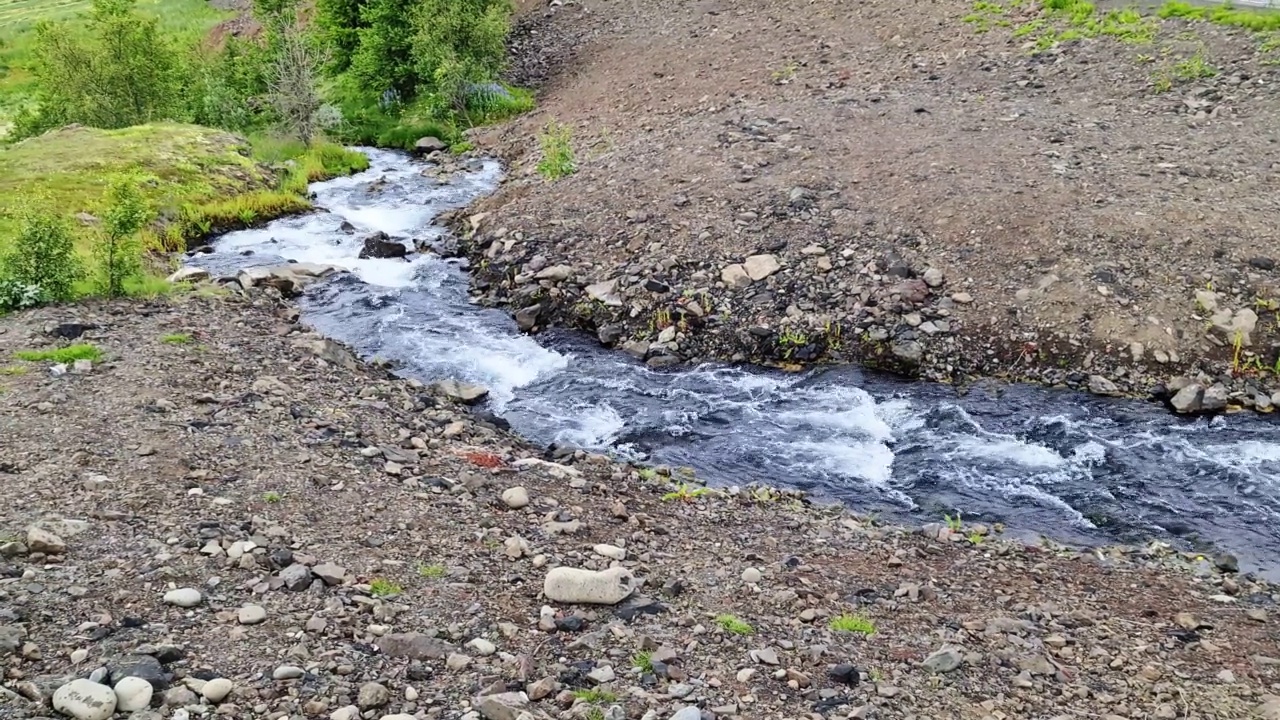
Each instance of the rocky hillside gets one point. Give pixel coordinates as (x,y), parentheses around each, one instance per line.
(209,511)
(945,188)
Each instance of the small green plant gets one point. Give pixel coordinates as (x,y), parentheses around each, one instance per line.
(176,339)
(119,251)
(975,538)
(557,152)
(731,624)
(853,623)
(595,713)
(785,74)
(1161,82)
(648,474)
(271,496)
(595,696)
(685,492)
(1195,67)
(431,571)
(643,661)
(68,354)
(876,675)
(953,523)
(1237,348)
(381,587)
(13,370)
(661,319)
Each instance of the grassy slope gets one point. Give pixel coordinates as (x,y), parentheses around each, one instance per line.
(198,179)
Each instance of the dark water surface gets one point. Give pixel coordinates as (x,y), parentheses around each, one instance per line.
(1074,467)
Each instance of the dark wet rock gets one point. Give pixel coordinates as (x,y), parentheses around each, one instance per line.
(379,246)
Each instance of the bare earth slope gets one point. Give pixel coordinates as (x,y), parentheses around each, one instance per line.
(356,540)
(1073,200)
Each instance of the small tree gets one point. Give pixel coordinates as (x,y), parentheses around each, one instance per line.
(119,251)
(293,84)
(119,70)
(42,264)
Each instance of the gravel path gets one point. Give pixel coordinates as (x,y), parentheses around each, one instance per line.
(227,516)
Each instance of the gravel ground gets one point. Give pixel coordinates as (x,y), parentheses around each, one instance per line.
(249,523)
(918,195)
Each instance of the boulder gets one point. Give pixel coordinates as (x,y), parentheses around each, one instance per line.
(189,274)
(574,585)
(379,246)
(503,706)
(759,267)
(43,541)
(464,393)
(427,145)
(605,292)
(1188,399)
(85,700)
(735,276)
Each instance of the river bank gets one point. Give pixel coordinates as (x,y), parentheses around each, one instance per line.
(900,190)
(218,445)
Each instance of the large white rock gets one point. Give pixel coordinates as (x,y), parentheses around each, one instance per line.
(574,585)
(735,276)
(183,597)
(759,267)
(133,693)
(85,700)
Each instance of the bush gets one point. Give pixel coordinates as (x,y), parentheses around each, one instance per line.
(42,262)
(119,253)
(119,70)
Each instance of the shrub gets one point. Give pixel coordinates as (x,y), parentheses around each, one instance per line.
(119,253)
(119,70)
(557,152)
(42,261)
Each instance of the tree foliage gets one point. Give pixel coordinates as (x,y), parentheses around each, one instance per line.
(416,48)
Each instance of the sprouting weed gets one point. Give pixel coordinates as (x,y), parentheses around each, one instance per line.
(853,623)
(732,624)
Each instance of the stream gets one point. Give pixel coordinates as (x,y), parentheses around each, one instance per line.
(1073,467)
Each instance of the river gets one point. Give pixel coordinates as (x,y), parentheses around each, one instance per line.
(1073,467)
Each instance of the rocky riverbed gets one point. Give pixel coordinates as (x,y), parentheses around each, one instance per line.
(226,515)
(937,188)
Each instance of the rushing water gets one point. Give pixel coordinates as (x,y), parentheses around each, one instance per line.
(1071,466)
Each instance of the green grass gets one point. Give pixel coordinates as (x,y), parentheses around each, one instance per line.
(732,624)
(644,661)
(381,587)
(432,571)
(1255,19)
(595,696)
(70,353)
(271,496)
(853,623)
(1193,68)
(197,180)
(176,339)
(14,370)
(557,152)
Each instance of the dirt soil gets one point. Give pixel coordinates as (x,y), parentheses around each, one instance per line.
(352,545)
(1070,202)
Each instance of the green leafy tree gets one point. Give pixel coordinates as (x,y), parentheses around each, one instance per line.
(42,261)
(119,70)
(227,86)
(338,25)
(383,58)
(120,249)
(460,42)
